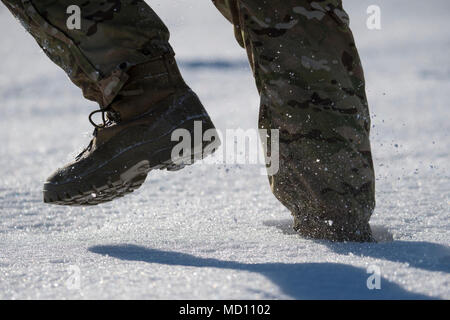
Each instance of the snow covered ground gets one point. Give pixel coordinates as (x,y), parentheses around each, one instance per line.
(211,231)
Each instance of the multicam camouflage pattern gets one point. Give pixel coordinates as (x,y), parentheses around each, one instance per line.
(312,89)
(307,71)
(114,36)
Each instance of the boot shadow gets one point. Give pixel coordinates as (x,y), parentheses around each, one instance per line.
(297,280)
(423,255)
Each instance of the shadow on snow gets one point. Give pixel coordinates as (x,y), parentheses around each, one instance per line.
(422,255)
(297,280)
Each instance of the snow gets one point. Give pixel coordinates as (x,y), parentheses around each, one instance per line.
(215,232)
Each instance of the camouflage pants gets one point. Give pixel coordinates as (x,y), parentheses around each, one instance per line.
(307,71)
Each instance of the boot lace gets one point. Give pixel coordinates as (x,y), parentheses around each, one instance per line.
(109,118)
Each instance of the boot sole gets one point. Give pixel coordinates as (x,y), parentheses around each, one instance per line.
(118,185)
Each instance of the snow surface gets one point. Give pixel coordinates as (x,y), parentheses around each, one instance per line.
(211,231)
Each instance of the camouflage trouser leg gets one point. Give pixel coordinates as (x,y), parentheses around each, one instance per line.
(114,36)
(312,89)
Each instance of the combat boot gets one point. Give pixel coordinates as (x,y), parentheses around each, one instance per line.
(135,137)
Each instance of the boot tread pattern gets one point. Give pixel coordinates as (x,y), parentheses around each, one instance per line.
(134,178)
